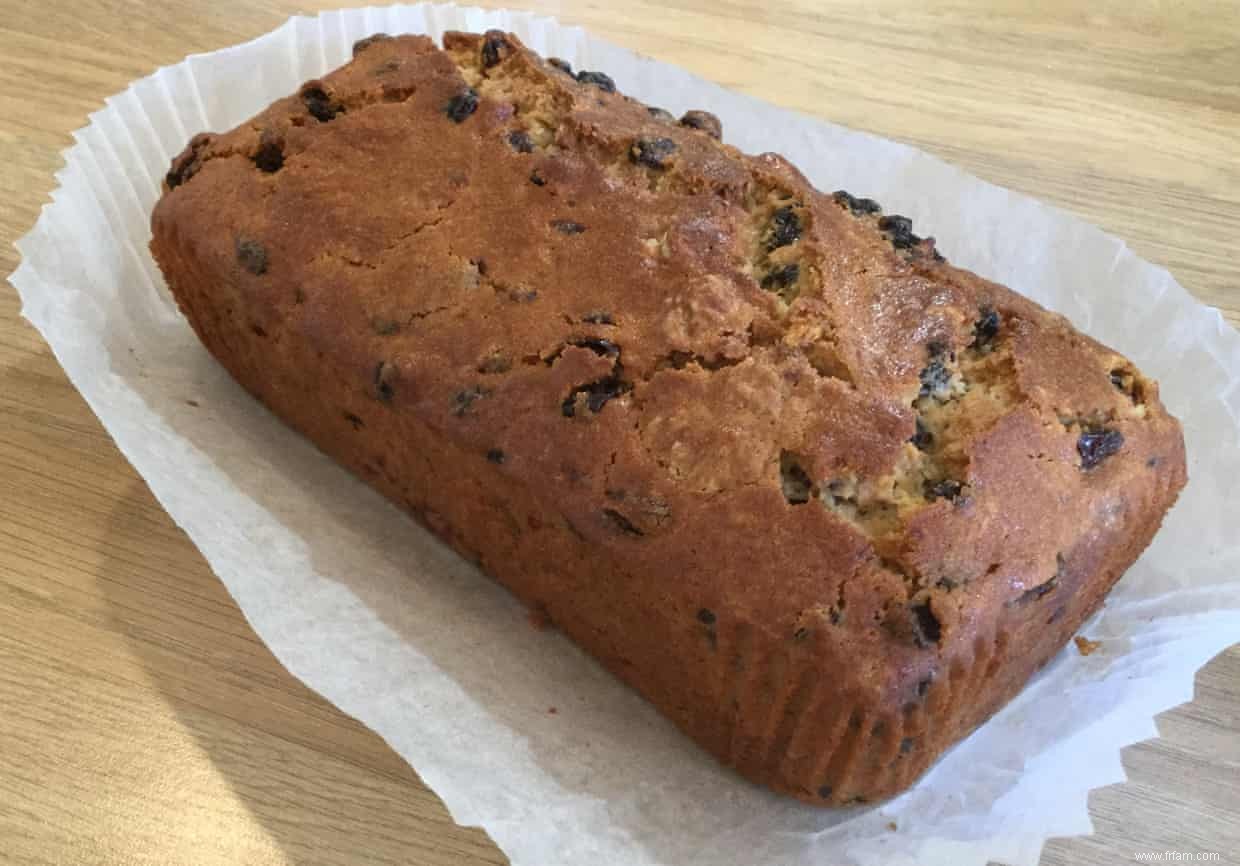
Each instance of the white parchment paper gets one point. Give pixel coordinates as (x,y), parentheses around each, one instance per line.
(368,610)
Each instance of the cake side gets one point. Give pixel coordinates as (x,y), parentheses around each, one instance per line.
(824,499)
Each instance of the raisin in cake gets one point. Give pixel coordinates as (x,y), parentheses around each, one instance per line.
(824,499)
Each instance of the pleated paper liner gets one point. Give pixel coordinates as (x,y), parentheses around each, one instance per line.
(366,609)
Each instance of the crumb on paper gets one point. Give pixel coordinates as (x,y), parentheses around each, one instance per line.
(892,826)
(193,403)
(1085,645)
(552,710)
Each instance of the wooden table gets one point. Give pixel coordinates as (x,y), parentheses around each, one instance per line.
(141,721)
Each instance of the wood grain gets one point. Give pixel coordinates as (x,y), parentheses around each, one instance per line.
(141,721)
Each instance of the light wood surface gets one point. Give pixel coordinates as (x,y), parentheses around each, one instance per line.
(141,720)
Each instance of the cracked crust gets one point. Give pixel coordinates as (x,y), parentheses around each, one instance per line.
(823,498)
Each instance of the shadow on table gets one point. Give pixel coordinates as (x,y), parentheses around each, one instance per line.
(323,788)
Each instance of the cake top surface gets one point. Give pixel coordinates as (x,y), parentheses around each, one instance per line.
(691,349)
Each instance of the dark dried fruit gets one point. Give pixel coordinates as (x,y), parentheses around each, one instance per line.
(357,422)
(567,227)
(320,106)
(906,745)
(781,277)
(706,616)
(935,377)
(537,179)
(362,44)
(923,686)
(598,79)
(599,346)
(187,163)
(621,522)
(985,329)
(495,455)
(252,256)
(926,627)
(703,121)
(520,141)
(270,154)
(825,792)
(494,48)
(922,438)
(562,65)
(598,317)
(1097,444)
(899,230)
(385,373)
(462,105)
(785,228)
(794,480)
(652,152)
(595,395)
(858,206)
(462,401)
(660,114)
(945,489)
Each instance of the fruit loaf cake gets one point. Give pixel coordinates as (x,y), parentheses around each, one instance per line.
(824,499)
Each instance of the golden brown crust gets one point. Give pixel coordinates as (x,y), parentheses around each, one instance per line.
(826,500)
